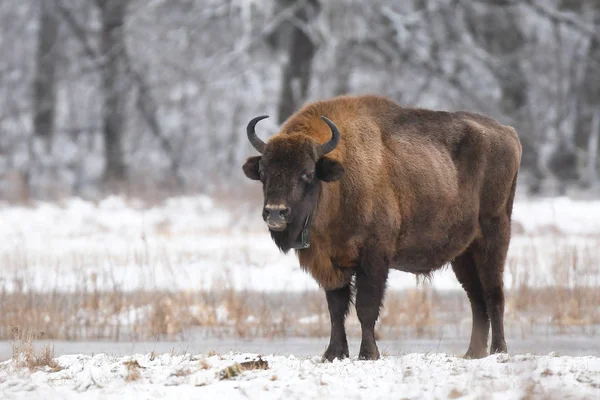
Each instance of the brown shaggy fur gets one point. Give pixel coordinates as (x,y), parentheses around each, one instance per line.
(421,189)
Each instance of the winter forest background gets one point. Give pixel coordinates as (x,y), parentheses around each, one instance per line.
(152,96)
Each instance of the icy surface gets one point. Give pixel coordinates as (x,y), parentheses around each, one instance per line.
(412,376)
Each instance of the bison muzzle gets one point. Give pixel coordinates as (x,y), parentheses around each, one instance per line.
(358,185)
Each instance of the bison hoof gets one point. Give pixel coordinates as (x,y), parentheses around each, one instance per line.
(476,353)
(369,352)
(336,351)
(498,348)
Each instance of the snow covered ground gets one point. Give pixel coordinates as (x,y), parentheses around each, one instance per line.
(243,376)
(191,243)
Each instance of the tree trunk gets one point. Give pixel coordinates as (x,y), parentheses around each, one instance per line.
(497,30)
(593,146)
(585,128)
(342,69)
(114,88)
(297,68)
(44,93)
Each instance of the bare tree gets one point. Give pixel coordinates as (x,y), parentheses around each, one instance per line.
(587,127)
(44,93)
(300,49)
(114,87)
(496,28)
(157,92)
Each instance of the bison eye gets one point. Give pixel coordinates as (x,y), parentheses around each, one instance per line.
(308,176)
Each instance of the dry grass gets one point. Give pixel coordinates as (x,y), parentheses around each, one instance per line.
(133,370)
(569,297)
(236,369)
(417,313)
(411,310)
(566,299)
(230,372)
(455,394)
(259,363)
(25,355)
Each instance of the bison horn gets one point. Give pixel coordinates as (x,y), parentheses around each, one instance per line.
(333,142)
(256,142)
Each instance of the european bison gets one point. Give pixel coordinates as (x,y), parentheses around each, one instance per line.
(358,185)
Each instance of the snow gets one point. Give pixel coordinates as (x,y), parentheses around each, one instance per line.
(410,376)
(567,215)
(193,243)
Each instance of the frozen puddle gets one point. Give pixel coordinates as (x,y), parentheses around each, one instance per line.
(244,375)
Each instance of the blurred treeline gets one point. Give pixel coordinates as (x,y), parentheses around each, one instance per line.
(154,95)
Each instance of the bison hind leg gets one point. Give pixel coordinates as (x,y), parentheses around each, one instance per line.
(466,273)
(489,254)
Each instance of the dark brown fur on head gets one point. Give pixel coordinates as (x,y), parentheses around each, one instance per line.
(292,170)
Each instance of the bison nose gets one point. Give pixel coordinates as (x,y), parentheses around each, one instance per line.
(276,216)
(276,212)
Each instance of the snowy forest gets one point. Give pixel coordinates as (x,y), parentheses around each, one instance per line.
(151,96)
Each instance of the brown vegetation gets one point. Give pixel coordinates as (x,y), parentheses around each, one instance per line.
(530,311)
(133,370)
(25,355)
(565,301)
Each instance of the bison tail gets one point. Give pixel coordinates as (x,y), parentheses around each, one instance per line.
(511,196)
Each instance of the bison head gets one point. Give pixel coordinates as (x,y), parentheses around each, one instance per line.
(291,168)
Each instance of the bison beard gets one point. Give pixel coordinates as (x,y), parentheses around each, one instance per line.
(387,187)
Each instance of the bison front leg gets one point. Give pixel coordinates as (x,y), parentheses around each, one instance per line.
(371,281)
(338,302)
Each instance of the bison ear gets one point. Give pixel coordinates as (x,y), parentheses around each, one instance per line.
(329,170)
(251,168)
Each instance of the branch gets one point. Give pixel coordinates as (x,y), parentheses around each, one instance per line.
(77,29)
(269,29)
(148,109)
(566,19)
